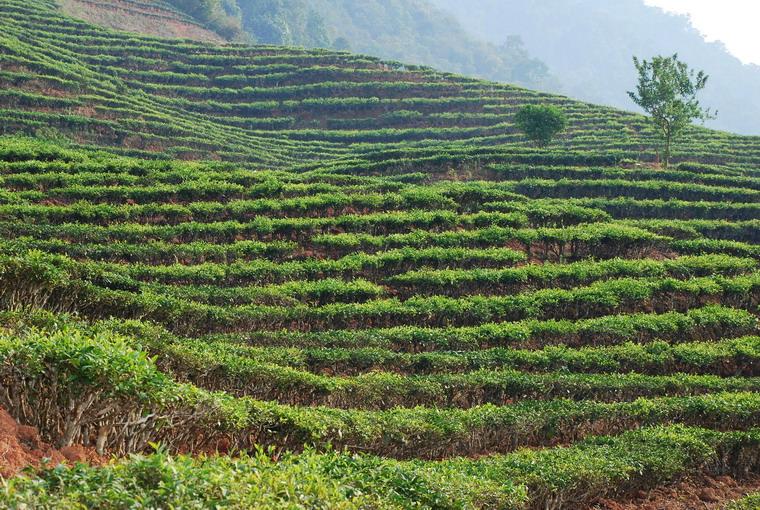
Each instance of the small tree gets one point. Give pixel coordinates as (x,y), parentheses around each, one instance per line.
(667,91)
(540,123)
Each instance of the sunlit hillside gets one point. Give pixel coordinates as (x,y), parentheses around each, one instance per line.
(290,278)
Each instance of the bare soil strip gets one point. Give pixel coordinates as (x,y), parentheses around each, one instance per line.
(697,493)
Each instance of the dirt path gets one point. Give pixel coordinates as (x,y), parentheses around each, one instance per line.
(701,493)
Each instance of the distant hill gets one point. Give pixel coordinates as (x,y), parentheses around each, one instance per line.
(66,79)
(588,45)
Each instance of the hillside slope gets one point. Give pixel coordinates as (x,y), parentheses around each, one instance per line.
(66,79)
(146,17)
(388,308)
(589,45)
(412,31)
(356,286)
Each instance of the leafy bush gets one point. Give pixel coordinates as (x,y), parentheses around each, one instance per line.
(540,123)
(749,502)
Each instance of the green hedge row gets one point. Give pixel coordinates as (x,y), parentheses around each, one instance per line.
(709,323)
(733,356)
(111,396)
(549,479)
(458,282)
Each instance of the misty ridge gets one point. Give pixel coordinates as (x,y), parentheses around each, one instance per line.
(579,48)
(587,45)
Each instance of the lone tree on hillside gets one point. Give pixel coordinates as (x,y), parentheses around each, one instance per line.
(667,91)
(540,123)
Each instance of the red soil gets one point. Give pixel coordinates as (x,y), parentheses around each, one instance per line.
(21,446)
(702,493)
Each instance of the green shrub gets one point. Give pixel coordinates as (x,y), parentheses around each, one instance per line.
(540,123)
(749,502)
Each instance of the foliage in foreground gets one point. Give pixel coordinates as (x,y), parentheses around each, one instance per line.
(89,385)
(527,479)
(749,502)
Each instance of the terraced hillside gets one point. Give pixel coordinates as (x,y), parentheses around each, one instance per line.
(376,296)
(63,78)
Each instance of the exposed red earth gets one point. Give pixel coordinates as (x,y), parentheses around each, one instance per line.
(699,493)
(21,447)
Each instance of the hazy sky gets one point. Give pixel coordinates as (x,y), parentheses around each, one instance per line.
(735,22)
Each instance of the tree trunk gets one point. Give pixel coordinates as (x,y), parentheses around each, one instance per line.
(668,139)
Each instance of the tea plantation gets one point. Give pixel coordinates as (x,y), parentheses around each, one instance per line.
(266,277)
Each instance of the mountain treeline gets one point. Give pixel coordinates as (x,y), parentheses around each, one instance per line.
(222,16)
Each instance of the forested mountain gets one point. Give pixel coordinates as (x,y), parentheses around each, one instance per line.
(588,45)
(222,16)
